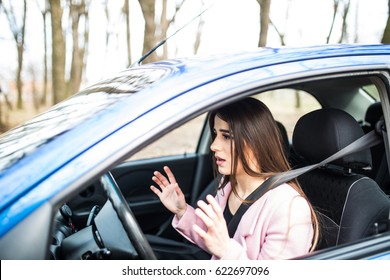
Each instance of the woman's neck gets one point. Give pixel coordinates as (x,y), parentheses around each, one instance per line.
(246,184)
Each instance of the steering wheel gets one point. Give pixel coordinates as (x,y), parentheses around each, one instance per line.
(127,218)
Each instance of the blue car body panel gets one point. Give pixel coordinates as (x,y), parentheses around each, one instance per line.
(80,134)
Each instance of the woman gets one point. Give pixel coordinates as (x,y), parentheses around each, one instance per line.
(247,150)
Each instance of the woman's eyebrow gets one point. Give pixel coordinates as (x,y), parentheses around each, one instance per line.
(222,130)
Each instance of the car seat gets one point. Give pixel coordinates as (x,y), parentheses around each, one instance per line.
(380,168)
(373,114)
(351,206)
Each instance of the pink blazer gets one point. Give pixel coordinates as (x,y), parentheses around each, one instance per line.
(276,226)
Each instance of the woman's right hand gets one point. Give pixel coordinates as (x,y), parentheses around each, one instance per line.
(169,193)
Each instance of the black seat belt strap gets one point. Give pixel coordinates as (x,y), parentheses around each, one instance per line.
(366,141)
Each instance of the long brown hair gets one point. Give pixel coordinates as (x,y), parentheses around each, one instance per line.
(252,125)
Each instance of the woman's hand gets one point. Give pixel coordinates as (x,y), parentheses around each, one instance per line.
(216,238)
(169,193)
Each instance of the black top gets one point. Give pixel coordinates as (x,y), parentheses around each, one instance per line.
(227,214)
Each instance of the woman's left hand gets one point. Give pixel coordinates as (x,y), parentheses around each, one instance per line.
(216,238)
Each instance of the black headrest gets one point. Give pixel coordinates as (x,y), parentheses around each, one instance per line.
(283,133)
(374,113)
(321,133)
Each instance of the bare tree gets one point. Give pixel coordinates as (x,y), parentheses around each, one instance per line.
(44,10)
(126,11)
(108,31)
(149,13)
(199,33)
(266,21)
(355,33)
(156,31)
(77,11)
(280,34)
(58,52)
(18,32)
(265,6)
(335,8)
(386,32)
(344,26)
(344,15)
(166,23)
(163,27)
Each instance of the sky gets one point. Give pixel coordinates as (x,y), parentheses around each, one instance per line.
(229,25)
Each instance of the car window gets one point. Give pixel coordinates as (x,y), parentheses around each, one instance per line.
(182,140)
(372,91)
(288,105)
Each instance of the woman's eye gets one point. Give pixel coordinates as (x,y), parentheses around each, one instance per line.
(227,136)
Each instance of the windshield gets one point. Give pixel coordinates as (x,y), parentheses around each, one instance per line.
(24,139)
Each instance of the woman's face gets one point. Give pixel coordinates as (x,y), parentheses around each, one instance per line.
(222,147)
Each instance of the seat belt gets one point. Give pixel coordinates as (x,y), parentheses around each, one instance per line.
(381,128)
(366,141)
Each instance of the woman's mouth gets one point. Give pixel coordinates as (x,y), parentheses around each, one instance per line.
(219,161)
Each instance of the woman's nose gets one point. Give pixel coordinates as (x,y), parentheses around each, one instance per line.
(214,145)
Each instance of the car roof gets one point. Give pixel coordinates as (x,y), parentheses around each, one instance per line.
(84,131)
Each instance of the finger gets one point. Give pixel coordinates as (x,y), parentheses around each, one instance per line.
(162,180)
(155,190)
(170,175)
(199,231)
(158,181)
(207,209)
(214,204)
(206,219)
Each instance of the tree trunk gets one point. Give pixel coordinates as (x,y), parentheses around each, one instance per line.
(126,11)
(148,11)
(164,25)
(386,33)
(76,12)
(19,37)
(84,51)
(19,82)
(265,6)
(335,8)
(58,52)
(45,68)
(344,25)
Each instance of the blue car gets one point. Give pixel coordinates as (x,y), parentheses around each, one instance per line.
(74,181)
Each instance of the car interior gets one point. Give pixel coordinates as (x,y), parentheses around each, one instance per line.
(351,194)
